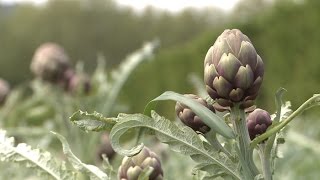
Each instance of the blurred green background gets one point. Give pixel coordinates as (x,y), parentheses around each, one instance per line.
(284,32)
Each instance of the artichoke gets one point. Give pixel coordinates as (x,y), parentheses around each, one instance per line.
(132,167)
(4,90)
(189,118)
(105,148)
(50,62)
(233,71)
(79,83)
(258,122)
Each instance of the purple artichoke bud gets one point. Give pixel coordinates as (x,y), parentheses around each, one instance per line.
(258,122)
(189,118)
(50,62)
(4,91)
(79,83)
(105,148)
(233,71)
(131,167)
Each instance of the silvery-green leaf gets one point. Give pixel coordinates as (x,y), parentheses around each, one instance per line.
(207,116)
(36,159)
(181,139)
(92,171)
(92,122)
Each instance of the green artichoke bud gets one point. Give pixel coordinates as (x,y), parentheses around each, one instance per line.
(4,91)
(258,122)
(50,62)
(132,167)
(189,118)
(233,71)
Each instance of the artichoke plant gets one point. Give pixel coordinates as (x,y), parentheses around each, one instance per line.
(132,167)
(189,118)
(233,71)
(258,122)
(4,90)
(50,62)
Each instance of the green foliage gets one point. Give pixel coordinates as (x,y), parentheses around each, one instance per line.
(44,163)
(180,139)
(30,107)
(207,116)
(41,161)
(94,172)
(97,121)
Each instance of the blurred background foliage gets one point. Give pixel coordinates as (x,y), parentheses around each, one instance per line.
(284,33)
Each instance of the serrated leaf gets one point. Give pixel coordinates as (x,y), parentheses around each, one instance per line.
(92,171)
(207,116)
(36,159)
(180,139)
(92,122)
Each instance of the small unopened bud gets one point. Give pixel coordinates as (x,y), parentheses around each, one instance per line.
(105,148)
(4,91)
(50,62)
(79,83)
(132,167)
(258,122)
(189,118)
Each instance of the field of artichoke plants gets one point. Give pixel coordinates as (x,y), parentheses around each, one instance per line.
(65,128)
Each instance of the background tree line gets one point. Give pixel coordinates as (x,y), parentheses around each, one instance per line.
(284,33)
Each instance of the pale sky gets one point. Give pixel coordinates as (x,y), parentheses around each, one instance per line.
(171,5)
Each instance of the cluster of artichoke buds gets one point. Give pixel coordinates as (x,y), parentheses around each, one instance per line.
(258,122)
(233,71)
(51,63)
(4,91)
(132,167)
(189,118)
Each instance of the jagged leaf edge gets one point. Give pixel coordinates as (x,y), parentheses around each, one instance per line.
(167,132)
(92,121)
(32,158)
(92,171)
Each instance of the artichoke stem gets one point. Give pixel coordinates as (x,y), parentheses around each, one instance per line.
(265,162)
(238,119)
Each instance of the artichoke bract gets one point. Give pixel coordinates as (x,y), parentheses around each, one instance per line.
(189,118)
(233,71)
(132,167)
(258,122)
(50,62)
(4,91)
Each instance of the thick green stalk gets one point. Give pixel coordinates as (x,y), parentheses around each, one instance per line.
(249,169)
(265,162)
